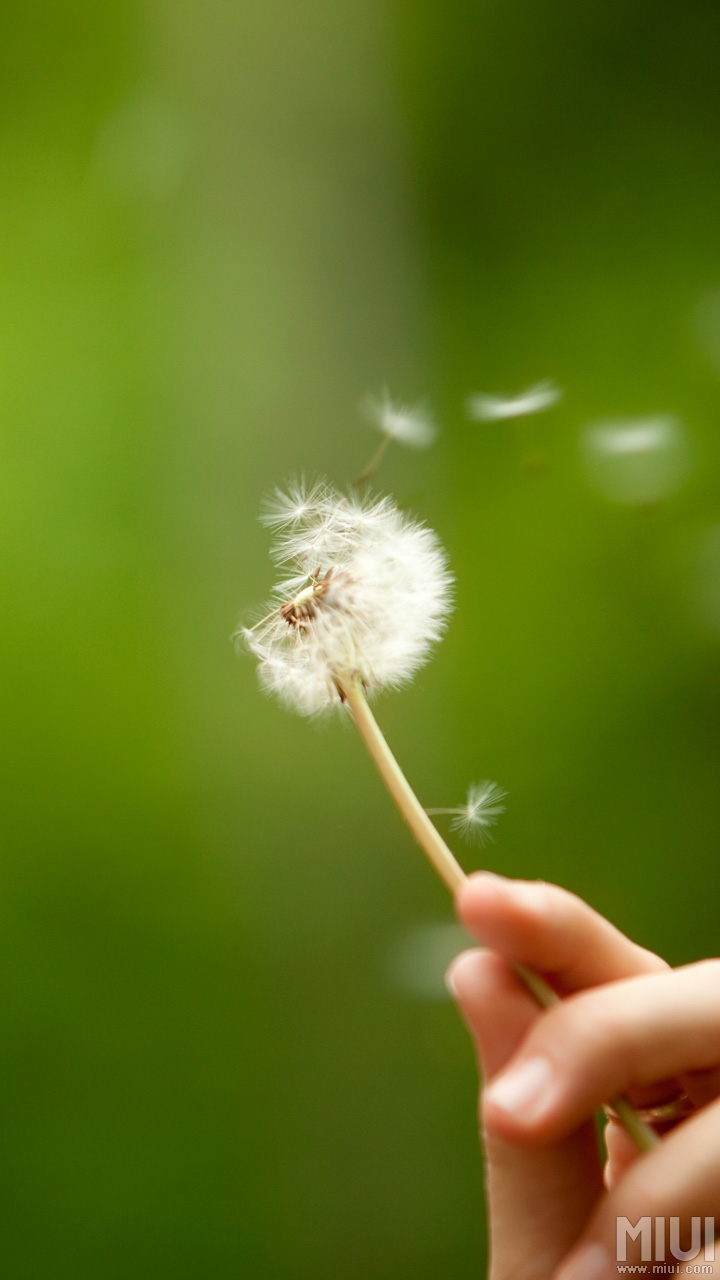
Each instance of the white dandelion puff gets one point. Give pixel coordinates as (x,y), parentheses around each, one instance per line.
(410,425)
(368,597)
(485,408)
(479,813)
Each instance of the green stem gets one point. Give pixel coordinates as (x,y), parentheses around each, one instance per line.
(450,871)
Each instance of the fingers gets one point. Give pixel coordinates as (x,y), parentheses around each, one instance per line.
(678,1180)
(539,1200)
(628,1025)
(621,1153)
(550,929)
(600,1043)
(497,1008)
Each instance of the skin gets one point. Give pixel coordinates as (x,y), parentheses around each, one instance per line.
(627,1024)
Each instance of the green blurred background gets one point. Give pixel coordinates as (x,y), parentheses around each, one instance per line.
(220,226)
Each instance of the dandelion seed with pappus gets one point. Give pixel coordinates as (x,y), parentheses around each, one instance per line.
(409,425)
(485,408)
(479,813)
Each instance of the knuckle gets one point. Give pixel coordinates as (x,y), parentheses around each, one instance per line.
(592,1029)
(647,1188)
(615,1033)
(648,961)
(710,970)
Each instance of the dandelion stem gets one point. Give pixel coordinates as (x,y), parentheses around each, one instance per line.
(450,871)
(373,465)
(426,834)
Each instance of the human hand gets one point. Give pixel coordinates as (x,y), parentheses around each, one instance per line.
(627,1024)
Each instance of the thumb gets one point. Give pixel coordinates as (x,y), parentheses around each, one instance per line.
(539,1199)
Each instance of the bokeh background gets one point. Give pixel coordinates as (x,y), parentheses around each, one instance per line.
(224,1046)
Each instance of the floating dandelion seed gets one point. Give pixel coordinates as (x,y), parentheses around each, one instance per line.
(639,460)
(411,425)
(484,408)
(368,596)
(480,811)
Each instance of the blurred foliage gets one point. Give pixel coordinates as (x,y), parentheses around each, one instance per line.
(220,227)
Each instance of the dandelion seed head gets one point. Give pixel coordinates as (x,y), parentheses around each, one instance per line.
(485,408)
(412,426)
(368,595)
(480,811)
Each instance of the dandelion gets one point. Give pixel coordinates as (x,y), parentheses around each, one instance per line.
(479,813)
(408,425)
(366,596)
(485,408)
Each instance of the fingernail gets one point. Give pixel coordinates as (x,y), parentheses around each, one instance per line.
(591,1263)
(523,1090)
(450,983)
(465,959)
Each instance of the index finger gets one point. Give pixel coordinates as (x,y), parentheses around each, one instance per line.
(552,930)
